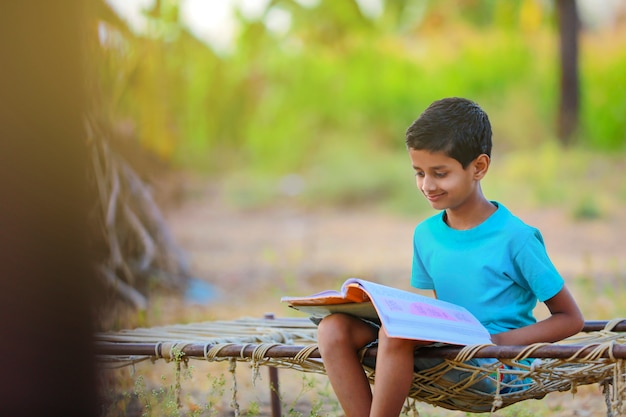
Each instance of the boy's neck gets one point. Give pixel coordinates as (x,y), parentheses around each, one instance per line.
(469,215)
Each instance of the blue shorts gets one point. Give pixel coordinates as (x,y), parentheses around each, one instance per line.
(483,375)
(487,373)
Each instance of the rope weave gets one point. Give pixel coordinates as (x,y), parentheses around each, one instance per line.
(595,362)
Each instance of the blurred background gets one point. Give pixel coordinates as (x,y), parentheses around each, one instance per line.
(260,104)
(237,151)
(247,149)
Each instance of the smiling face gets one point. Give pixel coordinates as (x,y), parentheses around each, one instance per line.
(444,182)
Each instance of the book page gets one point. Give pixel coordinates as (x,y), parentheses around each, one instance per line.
(324,297)
(414,316)
(404,314)
(365,309)
(349,294)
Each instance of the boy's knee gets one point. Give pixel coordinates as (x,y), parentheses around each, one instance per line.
(394,343)
(345,331)
(333,328)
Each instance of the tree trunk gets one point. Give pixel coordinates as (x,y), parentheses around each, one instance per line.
(569,95)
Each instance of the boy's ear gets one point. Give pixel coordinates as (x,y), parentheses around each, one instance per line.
(481,166)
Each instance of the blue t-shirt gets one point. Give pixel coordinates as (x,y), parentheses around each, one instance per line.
(497,270)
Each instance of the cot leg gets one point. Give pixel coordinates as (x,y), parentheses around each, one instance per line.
(274,397)
(274,392)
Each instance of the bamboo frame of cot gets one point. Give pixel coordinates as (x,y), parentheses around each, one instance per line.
(281,351)
(246,350)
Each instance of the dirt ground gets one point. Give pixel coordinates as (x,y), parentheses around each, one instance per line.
(251,257)
(291,248)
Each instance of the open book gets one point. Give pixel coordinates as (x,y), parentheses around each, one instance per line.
(404,314)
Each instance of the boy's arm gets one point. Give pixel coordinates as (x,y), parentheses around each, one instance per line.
(565,320)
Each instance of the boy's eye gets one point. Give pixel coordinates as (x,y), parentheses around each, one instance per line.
(422,174)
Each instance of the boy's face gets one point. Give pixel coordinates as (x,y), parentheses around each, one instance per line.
(442,179)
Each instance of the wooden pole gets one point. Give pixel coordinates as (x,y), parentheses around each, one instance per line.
(274,387)
(290,351)
(196,350)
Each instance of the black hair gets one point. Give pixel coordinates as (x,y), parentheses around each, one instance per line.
(456,126)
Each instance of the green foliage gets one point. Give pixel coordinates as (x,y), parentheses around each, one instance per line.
(158,401)
(587,209)
(339,86)
(603,104)
(368,94)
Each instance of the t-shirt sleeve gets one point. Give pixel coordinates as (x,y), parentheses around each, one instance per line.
(419,276)
(536,268)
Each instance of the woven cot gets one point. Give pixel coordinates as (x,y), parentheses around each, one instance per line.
(595,356)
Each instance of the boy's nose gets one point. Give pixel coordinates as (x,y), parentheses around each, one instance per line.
(428,184)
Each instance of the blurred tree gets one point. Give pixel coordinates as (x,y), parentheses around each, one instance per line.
(135,250)
(569,24)
(330,69)
(329,22)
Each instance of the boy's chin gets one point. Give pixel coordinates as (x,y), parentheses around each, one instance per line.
(437,205)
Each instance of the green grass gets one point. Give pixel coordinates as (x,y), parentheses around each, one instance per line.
(586,184)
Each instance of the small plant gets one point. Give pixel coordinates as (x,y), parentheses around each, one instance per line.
(144,399)
(587,209)
(216,392)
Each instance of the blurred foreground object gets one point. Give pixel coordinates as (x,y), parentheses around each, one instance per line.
(45,276)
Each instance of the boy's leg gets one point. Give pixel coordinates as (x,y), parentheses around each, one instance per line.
(340,336)
(394,374)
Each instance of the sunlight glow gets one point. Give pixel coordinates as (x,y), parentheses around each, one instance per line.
(371,8)
(213,22)
(132,12)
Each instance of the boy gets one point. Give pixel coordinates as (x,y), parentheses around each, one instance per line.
(474,253)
